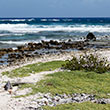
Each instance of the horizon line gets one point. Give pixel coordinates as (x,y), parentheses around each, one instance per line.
(49,17)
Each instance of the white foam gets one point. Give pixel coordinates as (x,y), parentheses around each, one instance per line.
(17,20)
(11,34)
(25,41)
(25,28)
(4,34)
(55,19)
(13,20)
(43,19)
(16,42)
(30,19)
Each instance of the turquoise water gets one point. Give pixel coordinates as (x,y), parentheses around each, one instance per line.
(18,31)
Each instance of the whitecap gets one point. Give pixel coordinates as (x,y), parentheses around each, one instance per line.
(55,20)
(25,28)
(17,20)
(43,19)
(31,19)
(15,42)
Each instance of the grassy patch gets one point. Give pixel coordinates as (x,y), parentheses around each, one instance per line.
(34,68)
(75,82)
(79,106)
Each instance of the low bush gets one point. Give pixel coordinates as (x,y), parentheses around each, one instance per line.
(88,62)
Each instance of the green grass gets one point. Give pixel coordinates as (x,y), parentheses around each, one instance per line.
(79,106)
(74,82)
(67,82)
(34,68)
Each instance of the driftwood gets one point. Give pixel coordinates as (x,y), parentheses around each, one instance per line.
(20,83)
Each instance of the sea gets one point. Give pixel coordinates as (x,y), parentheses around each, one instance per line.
(20,31)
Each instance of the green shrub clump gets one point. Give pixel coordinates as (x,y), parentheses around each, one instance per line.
(88,62)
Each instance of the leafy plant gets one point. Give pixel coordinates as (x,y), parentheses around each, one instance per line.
(88,62)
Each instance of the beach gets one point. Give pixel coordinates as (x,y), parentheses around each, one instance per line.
(32,52)
(11,103)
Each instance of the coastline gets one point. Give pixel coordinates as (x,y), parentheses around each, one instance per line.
(55,57)
(60,55)
(9,101)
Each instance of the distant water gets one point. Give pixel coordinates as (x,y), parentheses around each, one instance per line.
(18,31)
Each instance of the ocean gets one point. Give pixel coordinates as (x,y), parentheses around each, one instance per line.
(19,31)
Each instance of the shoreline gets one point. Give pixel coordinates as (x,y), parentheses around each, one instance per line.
(43,58)
(9,101)
(31,51)
(54,57)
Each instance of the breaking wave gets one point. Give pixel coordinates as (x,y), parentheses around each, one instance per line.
(26,28)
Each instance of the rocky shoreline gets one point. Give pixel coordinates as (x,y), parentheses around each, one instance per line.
(37,101)
(12,56)
(31,50)
(43,52)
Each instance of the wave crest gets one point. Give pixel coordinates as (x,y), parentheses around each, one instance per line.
(25,28)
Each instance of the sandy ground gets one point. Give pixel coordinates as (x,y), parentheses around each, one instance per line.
(5,97)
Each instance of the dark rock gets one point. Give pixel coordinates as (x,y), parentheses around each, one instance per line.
(33,108)
(56,94)
(9,50)
(54,42)
(1,61)
(90,37)
(22,48)
(2,52)
(30,44)
(103,101)
(44,42)
(15,56)
(69,40)
(8,86)
(106,36)
(81,48)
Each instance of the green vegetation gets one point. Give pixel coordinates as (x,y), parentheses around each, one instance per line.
(74,82)
(34,68)
(69,82)
(88,62)
(79,106)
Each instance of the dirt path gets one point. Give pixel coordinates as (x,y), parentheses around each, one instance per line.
(5,97)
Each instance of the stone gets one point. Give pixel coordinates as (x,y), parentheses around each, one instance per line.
(8,86)
(90,37)
(53,42)
(103,101)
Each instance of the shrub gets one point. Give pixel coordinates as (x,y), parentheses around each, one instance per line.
(88,62)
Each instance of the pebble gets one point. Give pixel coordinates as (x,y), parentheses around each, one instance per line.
(37,101)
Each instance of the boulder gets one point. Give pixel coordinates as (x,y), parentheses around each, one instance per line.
(90,37)
(52,42)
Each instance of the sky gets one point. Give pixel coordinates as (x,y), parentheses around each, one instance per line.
(54,8)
